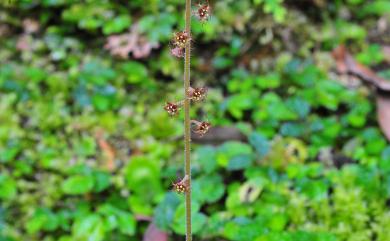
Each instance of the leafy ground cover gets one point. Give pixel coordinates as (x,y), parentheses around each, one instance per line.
(88,153)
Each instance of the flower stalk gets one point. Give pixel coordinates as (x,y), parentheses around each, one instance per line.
(182,48)
(187,122)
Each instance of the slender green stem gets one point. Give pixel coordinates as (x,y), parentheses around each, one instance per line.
(187,121)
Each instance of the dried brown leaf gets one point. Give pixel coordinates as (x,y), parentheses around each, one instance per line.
(30,25)
(108,151)
(386,53)
(383,112)
(152,233)
(133,42)
(218,135)
(346,64)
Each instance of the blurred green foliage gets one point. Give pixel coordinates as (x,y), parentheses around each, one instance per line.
(315,166)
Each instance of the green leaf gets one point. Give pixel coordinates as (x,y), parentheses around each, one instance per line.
(102,181)
(295,236)
(143,173)
(357,117)
(378,7)
(231,149)
(136,72)
(375,143)
(8,188)
(141,204)
(240,162)
(101,102)
(95,72)
(116,25)
(293,129)
(260,143)
(276,109)
(275,7)
(87,16)
(373,54)
(251,190)
(198,219)
(270,81)
(35,74)
(208,188)
(233,201)
(222,62)
(164,213)
(90,227)
(9,153)
(86,146)
(43,219)
(385,159)
(79,184)
(278,222)
(127,223)
(349,31)
(243,229)
(298,106)
(236,104)
(313,189)
(157,27)
(117,218)
(206,156)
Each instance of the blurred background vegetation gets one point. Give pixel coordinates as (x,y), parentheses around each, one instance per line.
(87,152)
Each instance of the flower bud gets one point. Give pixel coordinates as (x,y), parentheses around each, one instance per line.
(172,108)
(180,39)
(181,186)
(197,94)
(203,12)
(201,128)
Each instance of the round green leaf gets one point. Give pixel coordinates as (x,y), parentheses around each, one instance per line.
(78,185)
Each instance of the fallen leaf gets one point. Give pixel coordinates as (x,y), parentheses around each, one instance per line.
(30,26)
(346,64)
(386,53)
(133,42)
(217,135)
(383,111)
(152,233)
(4,30)
(140,217)
(24,43)
(108,151)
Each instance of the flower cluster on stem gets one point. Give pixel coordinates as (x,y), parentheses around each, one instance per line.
(181,47)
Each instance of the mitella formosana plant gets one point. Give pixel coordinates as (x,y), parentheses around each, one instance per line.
(181,48)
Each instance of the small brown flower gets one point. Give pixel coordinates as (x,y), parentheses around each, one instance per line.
(181,186)
(180,39)
(203,12)
(201,128)
(197,94)
(172,108)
